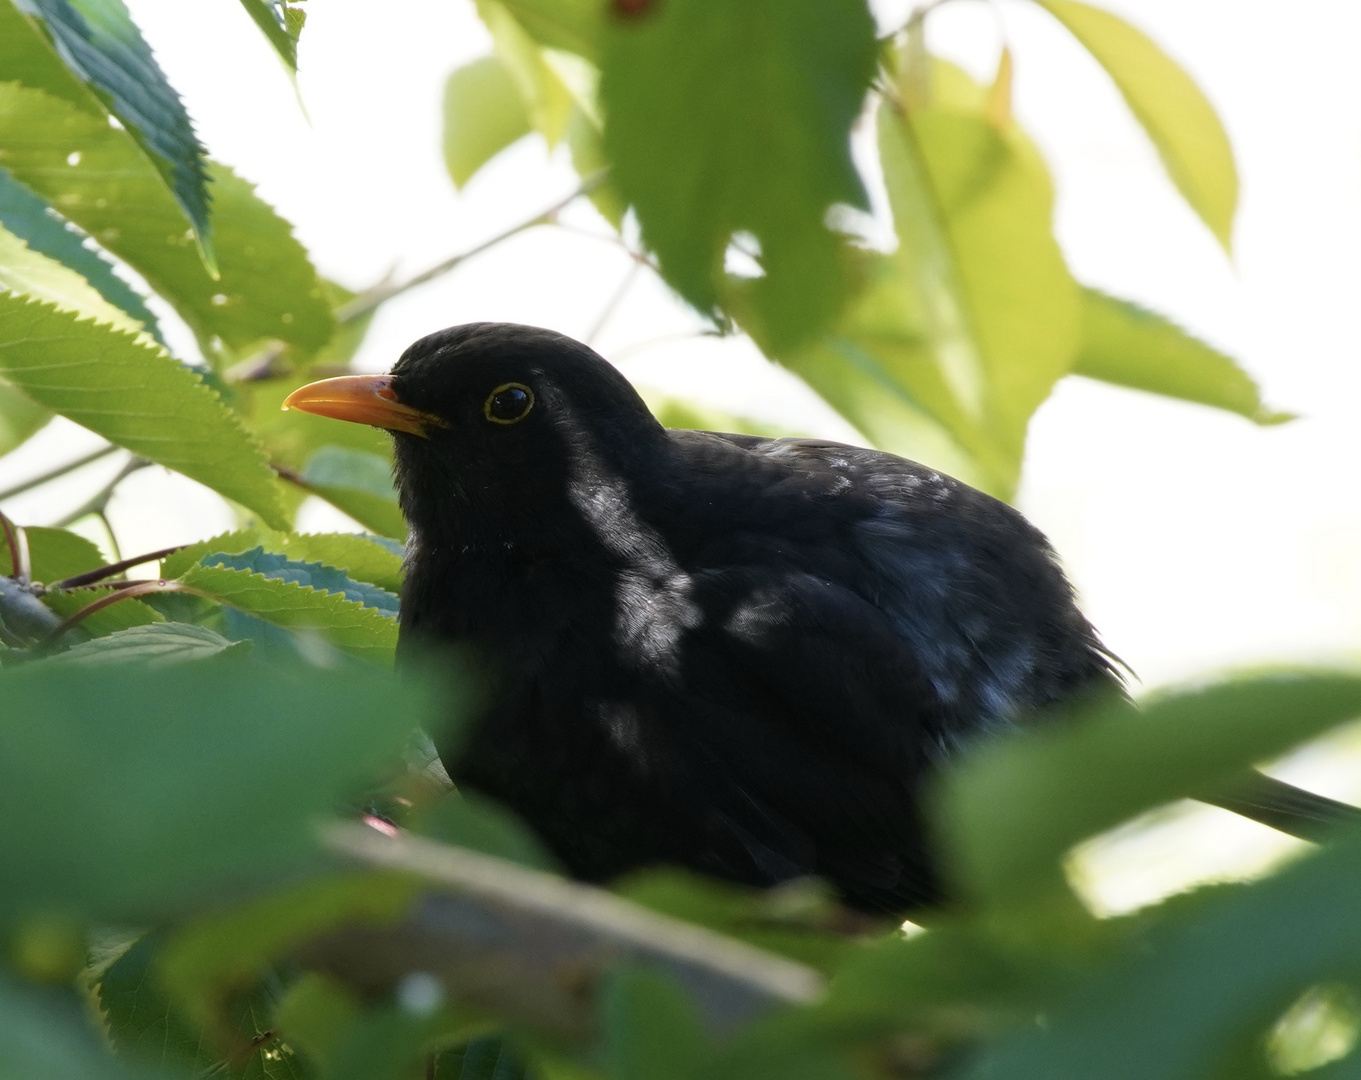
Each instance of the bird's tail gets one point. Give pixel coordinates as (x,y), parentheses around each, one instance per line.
(1284,807)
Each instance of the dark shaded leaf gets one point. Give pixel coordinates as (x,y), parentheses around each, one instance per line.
(312,575)
(360,484)
(726,118)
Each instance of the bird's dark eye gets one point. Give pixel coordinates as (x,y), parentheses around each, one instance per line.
(509,403)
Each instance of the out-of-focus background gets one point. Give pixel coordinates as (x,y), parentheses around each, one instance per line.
(1198,542)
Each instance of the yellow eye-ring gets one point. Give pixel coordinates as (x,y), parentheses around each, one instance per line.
(509,403)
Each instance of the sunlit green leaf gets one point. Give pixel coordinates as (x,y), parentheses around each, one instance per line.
(101,45)
(1017,805)
(281,21)
(34,222)
(726,118)
(96,177)
(20,417)
(573,25)
(545,98)
(353,628)
(54,554)
(157,786)
(365,558)
(1172,109)
(997,296)
(1128,345)
(128,390)
(483,114)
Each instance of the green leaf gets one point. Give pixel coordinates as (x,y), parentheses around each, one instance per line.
(123,615)
(353,628)
(689,89)
(38,225)
(128,390)
(1177,116)
(1016,806)
(267,288)
(279,567)
(973,207)
(572,25)
(652,1031)
(229,950)
(364,558)
(160,786)
(1125,344)
(545,97)
(1181,1006)
(28,273)
(146,1026)
(467,820)
(281,21)
(177,563)
(48,1035)
(483,114)
(101,45)
(54,554)
(358,483)
(156,645)
(20,417)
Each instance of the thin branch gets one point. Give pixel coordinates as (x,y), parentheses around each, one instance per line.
(370,299)
(533,945)
(59,471)
(17,543)
(97,502)
(612,305)
(102,572)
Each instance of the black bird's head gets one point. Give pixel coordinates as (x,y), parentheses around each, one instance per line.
(499,429)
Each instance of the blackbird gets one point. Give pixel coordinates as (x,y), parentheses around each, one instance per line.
(736,654)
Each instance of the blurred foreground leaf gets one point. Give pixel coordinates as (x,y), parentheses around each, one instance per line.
(1016,806)
(158,787)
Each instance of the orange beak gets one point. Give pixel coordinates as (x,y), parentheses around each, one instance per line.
(362,399)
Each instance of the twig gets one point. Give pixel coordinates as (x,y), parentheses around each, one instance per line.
(59,471)
(370,299)
(17,543)
(96,503)
(534,945)
(665,339)
(100,573)
(607,313)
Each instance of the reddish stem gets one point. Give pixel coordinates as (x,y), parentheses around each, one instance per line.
(131,589)
(101,572)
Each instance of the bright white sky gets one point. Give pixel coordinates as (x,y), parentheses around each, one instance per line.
(1197,541)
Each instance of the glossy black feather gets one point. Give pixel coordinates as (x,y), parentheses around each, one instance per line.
(736,654)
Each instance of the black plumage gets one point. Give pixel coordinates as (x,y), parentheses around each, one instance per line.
(735,654)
